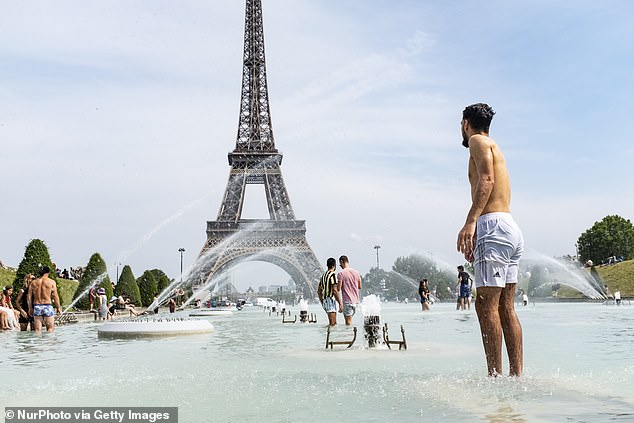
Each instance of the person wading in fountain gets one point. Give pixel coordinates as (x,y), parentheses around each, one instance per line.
(491,239)
(423,291)
(465,283)
(329,292)
(350,284)
(40,304)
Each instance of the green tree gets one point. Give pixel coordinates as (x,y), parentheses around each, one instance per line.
(376,282)
(536,281)
(162,281)
(128,287)
(95,275)
(416,267)
(147,288)
(612,236)
(35,257)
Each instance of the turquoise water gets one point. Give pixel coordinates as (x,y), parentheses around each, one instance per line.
(578,362)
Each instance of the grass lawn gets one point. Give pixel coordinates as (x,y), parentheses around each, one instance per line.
(619,276)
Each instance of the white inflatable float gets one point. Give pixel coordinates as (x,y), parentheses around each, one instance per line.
(156,327)
(203,312)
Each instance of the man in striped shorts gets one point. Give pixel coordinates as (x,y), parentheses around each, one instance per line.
(329,292)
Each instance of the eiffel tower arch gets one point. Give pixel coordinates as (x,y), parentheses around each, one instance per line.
(281,239)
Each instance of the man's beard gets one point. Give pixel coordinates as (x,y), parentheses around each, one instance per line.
(465,139)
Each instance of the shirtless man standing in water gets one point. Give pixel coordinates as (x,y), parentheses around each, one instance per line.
(491,239)
(40,304)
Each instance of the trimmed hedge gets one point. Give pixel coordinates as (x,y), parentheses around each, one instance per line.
(162,281)
(147,287)
(96,274)
(35,257)
(128,287)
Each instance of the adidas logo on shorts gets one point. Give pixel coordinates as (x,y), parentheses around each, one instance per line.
(497,275)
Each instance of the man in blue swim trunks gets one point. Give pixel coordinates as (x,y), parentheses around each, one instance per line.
(465,282)
(492,241)
(41,291)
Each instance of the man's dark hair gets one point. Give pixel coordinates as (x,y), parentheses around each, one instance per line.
(460,268)
(344,259)
(479,116)
(331,262)
(44,270)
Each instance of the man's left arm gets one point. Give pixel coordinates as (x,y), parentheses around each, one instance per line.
(56,298)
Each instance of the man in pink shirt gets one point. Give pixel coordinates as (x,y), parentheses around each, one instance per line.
(349,285)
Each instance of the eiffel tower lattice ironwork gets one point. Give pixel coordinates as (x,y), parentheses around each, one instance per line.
(281,239)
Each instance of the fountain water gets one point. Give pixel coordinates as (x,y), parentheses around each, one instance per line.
(95,283)
(371,307)
(126,253)
(198,271)
(303,311)
(569,274)
(414,284)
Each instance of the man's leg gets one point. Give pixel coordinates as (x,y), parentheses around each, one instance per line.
(487,304)
(348,312)
(512,329)
(37,322)
(332,318)
(50,323)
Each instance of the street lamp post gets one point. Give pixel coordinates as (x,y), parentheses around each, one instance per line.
(118,272)
(181,250)
(376,247)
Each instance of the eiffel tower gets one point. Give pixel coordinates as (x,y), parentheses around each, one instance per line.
(281,239)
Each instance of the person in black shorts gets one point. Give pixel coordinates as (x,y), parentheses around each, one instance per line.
(465,282)
(423,291)
(22,303)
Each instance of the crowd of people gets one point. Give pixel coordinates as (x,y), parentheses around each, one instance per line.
(107,308)
(75,273)
(490,239)
(33,306)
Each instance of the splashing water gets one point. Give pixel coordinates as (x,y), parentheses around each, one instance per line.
(198,272)
(96,282)
(125,254)
(407,279)
(568,274)
(303,305)
(371,306)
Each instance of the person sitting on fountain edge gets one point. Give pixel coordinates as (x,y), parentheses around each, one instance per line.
(328,291)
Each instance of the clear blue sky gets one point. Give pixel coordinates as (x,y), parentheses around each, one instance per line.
(116,118)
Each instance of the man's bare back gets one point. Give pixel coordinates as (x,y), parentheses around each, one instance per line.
(485,159)
(43,289)
(41,293)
